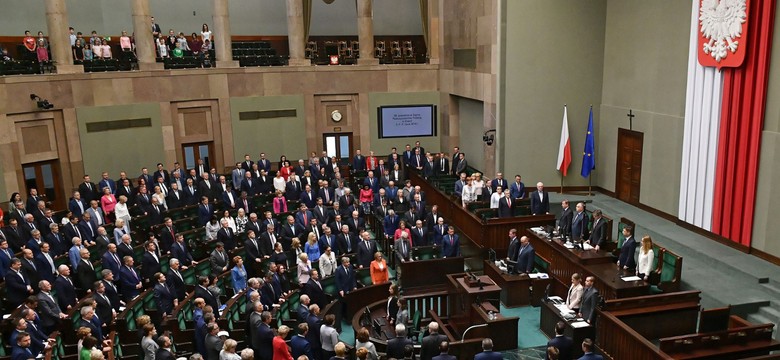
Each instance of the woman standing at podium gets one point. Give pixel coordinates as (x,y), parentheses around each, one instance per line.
(574,296)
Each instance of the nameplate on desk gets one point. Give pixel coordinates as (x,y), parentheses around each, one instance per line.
(631,278)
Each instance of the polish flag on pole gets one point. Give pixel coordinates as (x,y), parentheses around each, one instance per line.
(564,150)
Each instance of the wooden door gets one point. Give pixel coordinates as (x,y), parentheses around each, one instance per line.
(203,151)
(629,165)
(45,177)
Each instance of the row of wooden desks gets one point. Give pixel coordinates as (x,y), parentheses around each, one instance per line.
(564,262)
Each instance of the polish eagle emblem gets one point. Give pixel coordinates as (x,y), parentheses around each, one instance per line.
(721,25)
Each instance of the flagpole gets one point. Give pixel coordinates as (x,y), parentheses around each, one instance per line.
(590,184)
(561,182)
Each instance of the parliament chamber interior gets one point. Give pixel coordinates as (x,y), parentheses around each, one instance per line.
(376,179)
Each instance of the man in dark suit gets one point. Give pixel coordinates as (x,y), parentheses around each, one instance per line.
(104,309)
(225,236)
(58,242)
(314,290)
(356,223)
(29,269)
(66,291)
(163,296)
(21,350)
(143,199)
(366,249)
(87,229)
(395,346)
(562,343)
(429,168)
(13,234)
(176,197)
(167,235)
(308,197)
(345,277)
(161,173)
(499,181)
(626,260)
(201,291)
(32,201)
(590,299)
(129,282)
(110,289)
(487,351)
(17,285)
(431,343)
(579,225)
(345,242)
(565,221)
(44,262)
(314,323)
(246,165)
(293,189)
(175,280)
(372,182)
(525,257)
(85,273)
(213,343)
(45,222)
(358,161)
(462,164)
(164,352)
(191,194)
(150,264)
(268,239)
(403,248)
(289,231)
(88,190)
(450,244)
(442,166)
(77,205)
(444,352)
(598,236)
(264,337)
(299,345)
(419,234)
(540,200)
(587,349)
(205,211)
(505,206)
(124,188)
(125,248)
(207,187)
(418,161)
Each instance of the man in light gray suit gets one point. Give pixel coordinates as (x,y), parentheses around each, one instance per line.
(238,176)
(48,310)
(97,217)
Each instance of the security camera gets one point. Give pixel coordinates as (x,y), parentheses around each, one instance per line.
(43,104)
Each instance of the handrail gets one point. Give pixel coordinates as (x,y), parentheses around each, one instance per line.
(463,337)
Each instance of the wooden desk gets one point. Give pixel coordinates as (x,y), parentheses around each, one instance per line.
(361,298)
(565,262)
(550,316)
(427,273)
(490,234)
(516,289)
(462,296)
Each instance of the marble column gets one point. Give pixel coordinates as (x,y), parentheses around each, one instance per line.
(365,20)
(59,38)
(295,33)
(222,42)
(144,41)
(434,31)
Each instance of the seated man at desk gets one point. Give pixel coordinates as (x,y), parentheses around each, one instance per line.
(525,257)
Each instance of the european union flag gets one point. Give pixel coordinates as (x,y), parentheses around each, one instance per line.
(588,160)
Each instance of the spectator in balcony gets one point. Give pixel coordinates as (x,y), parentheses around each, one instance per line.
(106,50)
(78,50)
(88,54)
(97,51)
(30,44)
(195,44)
(162,49)
(125,42)
(95,40)
(206,34)
(72,35)
(181,42)
(170,41)
(41,52)
(5,56)
(204,50)
(45,41)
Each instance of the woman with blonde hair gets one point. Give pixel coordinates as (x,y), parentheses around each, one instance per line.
(327,262)
(312,247)
(646,257)
(378,269)
(228,351)
(121,211)
(108,203)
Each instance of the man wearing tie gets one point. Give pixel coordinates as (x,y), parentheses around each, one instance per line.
(566,220)
(403,248)
(247,164)
(345,278)
(237,175)
(366,250)
(598,236)
(525,257)
(225,236)
(77,205)
(505,205)
(358,161)
(17,286)
(205,211)
(111,260)
(129,282)
(88,190)
(450,244)
(579,225)
(150,264)
(442,164)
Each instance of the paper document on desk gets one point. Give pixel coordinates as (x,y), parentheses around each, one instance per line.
(563,309)
(631,278)
(579,324)
(555,298)
(537,229)
(569,245)
(538,276)
(586,246)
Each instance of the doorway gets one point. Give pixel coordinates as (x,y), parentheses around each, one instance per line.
(629,165)
(338,145)
(45,177)
(194,151)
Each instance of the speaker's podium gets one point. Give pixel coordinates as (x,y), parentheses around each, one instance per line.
(474,309)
